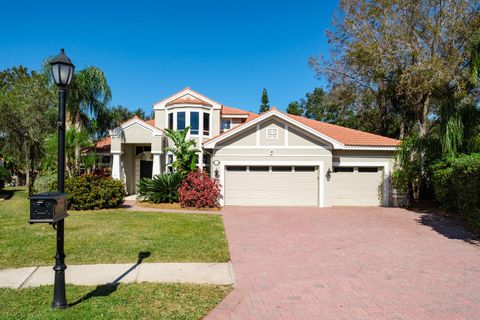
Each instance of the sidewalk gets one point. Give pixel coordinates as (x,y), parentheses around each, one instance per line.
(96,274)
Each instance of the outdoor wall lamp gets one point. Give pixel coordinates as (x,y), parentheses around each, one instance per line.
(217,174)
(329,174)
(62,73)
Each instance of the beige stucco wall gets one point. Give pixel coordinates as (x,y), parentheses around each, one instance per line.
(215,122)
(160,118)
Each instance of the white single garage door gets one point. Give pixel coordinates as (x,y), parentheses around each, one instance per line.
(357,186)
(271,185)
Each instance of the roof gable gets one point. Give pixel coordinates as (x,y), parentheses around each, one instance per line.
(136,121)
(187,96)
(339,137)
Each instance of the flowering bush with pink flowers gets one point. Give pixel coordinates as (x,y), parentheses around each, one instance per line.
(199,190)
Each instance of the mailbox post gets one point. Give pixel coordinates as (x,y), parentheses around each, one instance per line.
(52,207)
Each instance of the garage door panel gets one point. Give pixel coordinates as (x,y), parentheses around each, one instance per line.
(357,188)
(271,188)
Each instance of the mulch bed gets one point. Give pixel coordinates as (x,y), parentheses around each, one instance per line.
(175,206)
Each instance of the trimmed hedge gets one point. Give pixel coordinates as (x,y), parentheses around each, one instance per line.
(91,191)
(456,186)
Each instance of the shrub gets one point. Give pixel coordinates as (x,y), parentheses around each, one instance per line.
(161,189)
(199,190)
(45,183)
(400,180)
(90,191)
(4,176)
(456,184)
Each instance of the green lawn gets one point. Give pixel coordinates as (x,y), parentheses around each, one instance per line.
(131,301)
(109,236)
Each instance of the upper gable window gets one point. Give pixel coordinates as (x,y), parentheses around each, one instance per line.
(181,121)
(194,122)
(226,125)
(272,133)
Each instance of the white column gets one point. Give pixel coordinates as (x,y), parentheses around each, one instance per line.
(200,160)
(156,164)
(116,171)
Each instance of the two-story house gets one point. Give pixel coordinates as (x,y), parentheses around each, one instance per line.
(269,159)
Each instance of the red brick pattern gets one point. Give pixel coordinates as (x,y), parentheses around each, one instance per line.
(346,263)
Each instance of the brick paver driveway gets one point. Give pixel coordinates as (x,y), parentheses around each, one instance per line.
(348,263)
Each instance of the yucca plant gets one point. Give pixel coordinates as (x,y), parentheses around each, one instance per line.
(162,188)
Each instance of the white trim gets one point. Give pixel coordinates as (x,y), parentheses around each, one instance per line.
(211,144)
(234,116)
(320,164)
(386,174)
(257,132)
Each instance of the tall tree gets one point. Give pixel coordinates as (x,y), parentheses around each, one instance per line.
(295,108)
(27,116)
(399,54)
(264,106)
(87,99)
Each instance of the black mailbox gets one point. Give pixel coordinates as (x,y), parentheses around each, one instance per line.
(48,207)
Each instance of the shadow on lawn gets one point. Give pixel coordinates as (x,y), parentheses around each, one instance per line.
(444,224)
(8,194)
(107,289)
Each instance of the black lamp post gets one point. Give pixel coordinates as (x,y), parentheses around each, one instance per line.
(62,72)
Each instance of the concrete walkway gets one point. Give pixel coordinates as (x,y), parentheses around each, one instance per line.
(96,274)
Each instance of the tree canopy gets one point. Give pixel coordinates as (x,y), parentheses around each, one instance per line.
(407,69)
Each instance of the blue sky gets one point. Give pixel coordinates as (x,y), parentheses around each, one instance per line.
(227,50)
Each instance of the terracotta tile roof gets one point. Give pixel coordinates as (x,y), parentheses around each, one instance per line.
(234,111)
(188,101)
(347,136)
(151,122)
(104,144)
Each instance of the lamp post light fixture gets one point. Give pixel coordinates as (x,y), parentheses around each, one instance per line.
(62,73)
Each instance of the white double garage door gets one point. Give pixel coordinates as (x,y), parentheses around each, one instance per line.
(284,185)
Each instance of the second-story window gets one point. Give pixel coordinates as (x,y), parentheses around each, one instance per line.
(170,121)
(194,122)
(206,124)
(226,125)
(181,121)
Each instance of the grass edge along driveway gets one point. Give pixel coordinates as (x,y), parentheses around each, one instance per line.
(127,301)
(109,236)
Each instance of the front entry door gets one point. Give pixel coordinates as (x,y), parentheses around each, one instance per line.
(146,169)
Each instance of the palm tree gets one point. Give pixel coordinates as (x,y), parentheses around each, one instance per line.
(87,99)
(185,157)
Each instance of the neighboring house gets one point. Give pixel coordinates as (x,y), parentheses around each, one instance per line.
(274,159)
